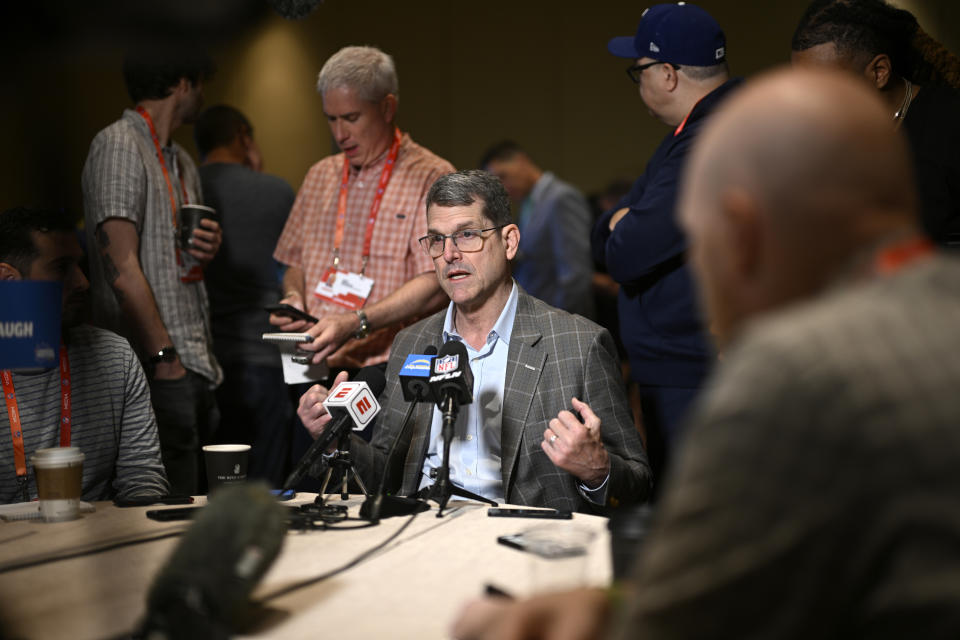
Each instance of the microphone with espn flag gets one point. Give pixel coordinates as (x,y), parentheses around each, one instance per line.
(350,404)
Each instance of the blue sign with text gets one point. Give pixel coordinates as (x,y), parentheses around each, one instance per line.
(29,324)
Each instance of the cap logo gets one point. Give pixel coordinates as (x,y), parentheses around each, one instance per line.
(719,53)
(654,47)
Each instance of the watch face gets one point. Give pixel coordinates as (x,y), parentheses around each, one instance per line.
(167,354)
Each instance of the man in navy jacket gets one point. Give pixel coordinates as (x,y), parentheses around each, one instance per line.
(679,54)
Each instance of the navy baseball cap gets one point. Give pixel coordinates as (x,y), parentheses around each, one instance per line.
(680,33)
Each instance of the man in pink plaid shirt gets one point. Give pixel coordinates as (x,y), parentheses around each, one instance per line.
(350,243)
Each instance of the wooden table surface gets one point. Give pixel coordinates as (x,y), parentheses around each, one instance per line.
(412,588)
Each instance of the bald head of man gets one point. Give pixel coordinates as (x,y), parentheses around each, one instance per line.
(793,179)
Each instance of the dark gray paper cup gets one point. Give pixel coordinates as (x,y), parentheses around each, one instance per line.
(226,464)
(188,219)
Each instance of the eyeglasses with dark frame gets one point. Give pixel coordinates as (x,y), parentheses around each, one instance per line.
(637,69)
(467,240)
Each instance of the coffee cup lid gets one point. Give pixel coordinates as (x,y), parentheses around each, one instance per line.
(201,207)
(226,447)
(57,455)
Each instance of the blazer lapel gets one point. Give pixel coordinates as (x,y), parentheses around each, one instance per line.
(524,366)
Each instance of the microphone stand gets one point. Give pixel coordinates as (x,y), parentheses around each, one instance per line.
(373,506)
(442,489)
(342,460)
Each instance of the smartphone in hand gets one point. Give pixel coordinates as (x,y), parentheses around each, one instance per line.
(290,311)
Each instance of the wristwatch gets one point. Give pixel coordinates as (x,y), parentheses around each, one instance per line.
(364,329)
(166,354)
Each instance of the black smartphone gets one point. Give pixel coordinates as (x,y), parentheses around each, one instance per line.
(551,514)
(543,549)
(289,311)
(282,495)
(178,513)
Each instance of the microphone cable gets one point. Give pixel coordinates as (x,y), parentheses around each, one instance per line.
(338,570)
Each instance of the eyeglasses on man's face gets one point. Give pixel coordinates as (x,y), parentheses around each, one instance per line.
(636,70)
(467,240)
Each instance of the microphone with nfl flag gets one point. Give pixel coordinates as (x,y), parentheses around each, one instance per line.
(452,386)
(452,380)
(352,403)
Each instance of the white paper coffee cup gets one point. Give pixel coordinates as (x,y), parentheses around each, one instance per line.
(59,475)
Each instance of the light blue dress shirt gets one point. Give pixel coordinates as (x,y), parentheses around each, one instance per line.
(475,450)
(475,453)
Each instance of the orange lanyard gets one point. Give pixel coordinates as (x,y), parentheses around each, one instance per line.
(13,412)
(374,208)
(166,175)
(893,258)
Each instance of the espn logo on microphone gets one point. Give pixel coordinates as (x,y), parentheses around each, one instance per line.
(355,398)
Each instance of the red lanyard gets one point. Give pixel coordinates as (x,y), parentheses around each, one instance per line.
(683,124)
(163,165)
(13,412)
(895,257)
(166,175)
(374,208)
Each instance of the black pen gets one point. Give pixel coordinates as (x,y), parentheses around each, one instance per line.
(496,592)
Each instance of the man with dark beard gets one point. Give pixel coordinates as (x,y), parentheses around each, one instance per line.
(145,286)
(96,399)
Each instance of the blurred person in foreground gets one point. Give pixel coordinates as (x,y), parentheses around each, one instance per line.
(817,492)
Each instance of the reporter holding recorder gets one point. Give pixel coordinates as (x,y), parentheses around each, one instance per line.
(549,425)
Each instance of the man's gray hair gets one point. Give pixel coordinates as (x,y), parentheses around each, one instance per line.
(705,73)
(367,70)
(463,188)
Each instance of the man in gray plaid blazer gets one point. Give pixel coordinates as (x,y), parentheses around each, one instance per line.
(550,425)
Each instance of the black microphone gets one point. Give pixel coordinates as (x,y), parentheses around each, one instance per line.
(452,379)
(452,386)
(350,403)
(414,380)
(203,590)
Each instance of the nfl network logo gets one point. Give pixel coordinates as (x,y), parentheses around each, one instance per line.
(446,364)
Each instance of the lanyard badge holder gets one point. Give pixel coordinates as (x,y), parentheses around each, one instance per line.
(345,288)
